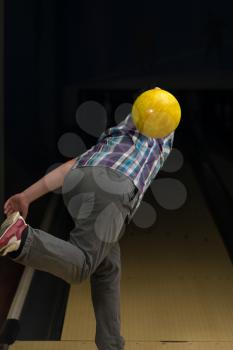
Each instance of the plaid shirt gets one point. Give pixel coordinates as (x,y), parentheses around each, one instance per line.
(126,150)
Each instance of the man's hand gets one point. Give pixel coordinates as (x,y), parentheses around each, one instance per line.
(18,202)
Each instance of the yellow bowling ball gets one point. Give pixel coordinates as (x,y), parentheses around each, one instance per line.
(156,113)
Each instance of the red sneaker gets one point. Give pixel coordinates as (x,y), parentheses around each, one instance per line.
(10,233)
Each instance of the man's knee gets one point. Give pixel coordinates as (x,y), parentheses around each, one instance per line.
(79,275)
(107,273)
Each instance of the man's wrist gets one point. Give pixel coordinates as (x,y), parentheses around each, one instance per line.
(27,196)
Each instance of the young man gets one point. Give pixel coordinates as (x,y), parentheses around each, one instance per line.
(102,189)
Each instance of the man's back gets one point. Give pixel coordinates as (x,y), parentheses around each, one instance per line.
(124,149)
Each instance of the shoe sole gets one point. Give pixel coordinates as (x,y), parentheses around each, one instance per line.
(13,243)
(11,246)
(10,220)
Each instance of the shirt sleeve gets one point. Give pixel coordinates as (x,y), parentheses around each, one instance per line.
(167,144)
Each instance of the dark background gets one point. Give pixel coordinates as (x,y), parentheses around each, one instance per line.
(56,50)
(59,54)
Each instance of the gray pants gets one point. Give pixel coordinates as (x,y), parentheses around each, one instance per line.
(99,200)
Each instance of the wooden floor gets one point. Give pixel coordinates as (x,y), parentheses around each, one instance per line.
(176,289)
(130,345)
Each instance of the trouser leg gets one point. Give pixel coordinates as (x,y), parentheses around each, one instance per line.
(95,199)
(48,253)
(99,222)
(105,292)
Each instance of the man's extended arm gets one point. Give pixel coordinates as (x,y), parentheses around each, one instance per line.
(51,181)
(54,179)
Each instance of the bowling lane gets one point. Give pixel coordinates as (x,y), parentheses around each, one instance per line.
(177,281)
(177,285)
(84,345)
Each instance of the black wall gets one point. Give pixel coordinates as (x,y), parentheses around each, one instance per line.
(53,48)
